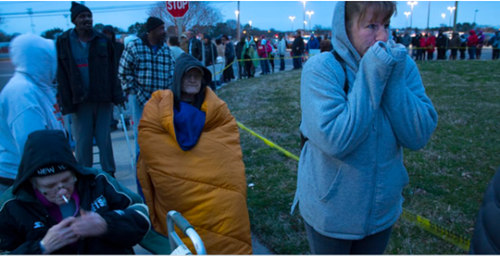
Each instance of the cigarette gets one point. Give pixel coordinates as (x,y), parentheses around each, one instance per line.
(65,199)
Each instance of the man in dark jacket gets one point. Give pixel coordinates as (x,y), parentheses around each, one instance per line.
(228,73)
(297,51)
(88,86)
(442,42)
(57,206)
(486,238)
(195,46)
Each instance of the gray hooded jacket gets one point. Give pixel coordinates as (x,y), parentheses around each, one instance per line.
(351,173)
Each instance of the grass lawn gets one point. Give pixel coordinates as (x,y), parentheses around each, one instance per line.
(447,178)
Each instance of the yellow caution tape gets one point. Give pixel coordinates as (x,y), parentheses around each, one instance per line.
(268,142)
(441,232)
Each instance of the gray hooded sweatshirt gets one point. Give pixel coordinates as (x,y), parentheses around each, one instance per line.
(351,173)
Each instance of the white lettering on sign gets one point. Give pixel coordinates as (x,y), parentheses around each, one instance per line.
(176,5)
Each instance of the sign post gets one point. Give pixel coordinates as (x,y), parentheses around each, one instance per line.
(177,9)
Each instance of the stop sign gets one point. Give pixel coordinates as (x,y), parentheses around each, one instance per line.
(177,8)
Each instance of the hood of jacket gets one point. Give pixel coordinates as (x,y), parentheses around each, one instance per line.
(36,57)
(42,148)
(340,41)
(182,64)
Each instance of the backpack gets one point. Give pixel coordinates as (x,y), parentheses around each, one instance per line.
(303,138)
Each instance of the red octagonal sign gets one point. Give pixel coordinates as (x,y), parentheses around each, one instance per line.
(177,8)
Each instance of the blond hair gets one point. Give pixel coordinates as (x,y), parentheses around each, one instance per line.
(384,9)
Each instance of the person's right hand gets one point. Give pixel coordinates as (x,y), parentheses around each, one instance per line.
(59,236)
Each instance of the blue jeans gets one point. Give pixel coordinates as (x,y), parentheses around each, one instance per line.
(472,52)
(373,244)
(282,62)
(92,120)
(297,61)
(264,66)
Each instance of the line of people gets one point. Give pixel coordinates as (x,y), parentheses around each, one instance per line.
(424,45)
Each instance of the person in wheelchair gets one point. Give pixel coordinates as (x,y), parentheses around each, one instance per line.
(191,161)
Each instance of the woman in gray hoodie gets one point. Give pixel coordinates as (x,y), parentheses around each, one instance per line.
(360,107)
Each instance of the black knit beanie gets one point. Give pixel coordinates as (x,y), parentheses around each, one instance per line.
(153,23)
(76,9)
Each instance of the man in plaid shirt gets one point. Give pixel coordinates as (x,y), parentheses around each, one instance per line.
(146,65)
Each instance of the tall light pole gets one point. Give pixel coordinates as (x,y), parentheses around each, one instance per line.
(304,3)
(237,13)
(407,14)
(292,18)
(310,13)
(475,12)
(412,4)
(443,15)
(428,13)
(30,12)
(451,9)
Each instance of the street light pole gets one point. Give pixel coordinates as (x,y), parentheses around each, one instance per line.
(304,3)
(412,4)
(451,9)
(310,13)
(237,12)
(475,12)
(428,14)
(291,19)
(407,14)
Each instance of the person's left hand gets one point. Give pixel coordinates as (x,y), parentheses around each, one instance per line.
(89,224)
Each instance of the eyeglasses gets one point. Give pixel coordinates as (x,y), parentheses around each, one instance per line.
(53,188)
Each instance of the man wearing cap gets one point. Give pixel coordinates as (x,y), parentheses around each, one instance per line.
(146,65)
(88,86)
(57,206)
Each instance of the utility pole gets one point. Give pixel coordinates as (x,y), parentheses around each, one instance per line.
(455,16)
(30,12)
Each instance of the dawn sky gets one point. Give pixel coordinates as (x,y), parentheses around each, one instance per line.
(263,14)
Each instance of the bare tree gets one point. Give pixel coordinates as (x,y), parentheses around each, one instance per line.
(200,13)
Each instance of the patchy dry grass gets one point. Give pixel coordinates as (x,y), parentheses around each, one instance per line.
(447,178)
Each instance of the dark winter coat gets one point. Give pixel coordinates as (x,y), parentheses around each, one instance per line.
(103,85)
(298,46)
(24,221)
(196,48)
(442,41)
(210,52)
(455,42)
(229,52)
(486,238)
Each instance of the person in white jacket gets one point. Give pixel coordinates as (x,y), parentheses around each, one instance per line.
(282,51)
(28,101)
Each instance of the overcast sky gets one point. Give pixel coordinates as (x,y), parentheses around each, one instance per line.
(263,14)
